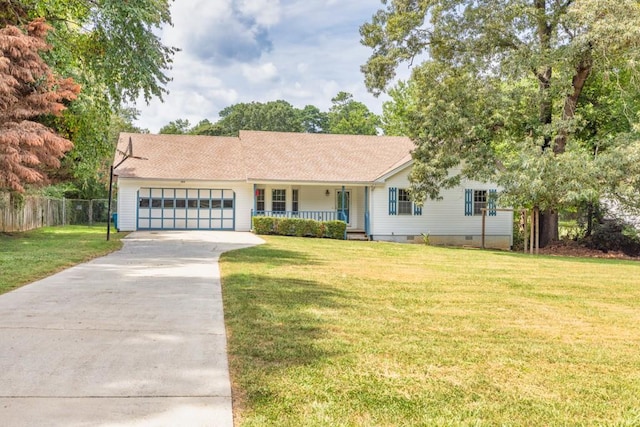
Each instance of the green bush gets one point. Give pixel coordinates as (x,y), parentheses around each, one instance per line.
(335,229)
(299,227)
(615,235)
(286,226)
(263,225)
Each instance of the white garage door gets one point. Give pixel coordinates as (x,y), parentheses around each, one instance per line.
(186,209)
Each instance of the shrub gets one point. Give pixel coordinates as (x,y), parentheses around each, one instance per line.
(615,235)
(335,229)
(263,225)
(299,227)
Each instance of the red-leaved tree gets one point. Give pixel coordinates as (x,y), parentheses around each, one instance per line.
(29,90)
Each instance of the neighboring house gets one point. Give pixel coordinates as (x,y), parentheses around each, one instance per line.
(219,183)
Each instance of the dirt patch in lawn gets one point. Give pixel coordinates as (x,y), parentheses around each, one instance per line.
(574,249)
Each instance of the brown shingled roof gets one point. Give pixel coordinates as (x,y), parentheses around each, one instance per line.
(264,156)
(191,157)
(282,156)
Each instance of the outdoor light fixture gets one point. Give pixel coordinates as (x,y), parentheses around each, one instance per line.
(326,193)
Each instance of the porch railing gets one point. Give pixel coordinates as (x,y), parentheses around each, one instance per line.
(317,215)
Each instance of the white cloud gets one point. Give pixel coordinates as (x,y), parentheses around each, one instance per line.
(224,96)
(265,12)
(302,51)
(260,74)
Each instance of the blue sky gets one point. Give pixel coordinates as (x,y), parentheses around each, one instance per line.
(302,51)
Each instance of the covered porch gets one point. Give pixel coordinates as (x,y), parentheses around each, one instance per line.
(322,202)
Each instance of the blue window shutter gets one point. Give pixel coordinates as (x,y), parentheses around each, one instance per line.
(468,202)
(393,191)
(417,210)
(493,194)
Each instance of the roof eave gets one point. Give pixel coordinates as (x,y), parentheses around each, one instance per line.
(382,178)
(308,182)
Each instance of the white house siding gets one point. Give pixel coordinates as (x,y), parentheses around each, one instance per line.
(314,198)
(443,220)
(128,199)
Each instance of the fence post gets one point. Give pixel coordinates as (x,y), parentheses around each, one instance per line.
(90,212)
(64,211)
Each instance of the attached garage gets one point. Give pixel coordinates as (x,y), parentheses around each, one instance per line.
(186,209)
(181,182)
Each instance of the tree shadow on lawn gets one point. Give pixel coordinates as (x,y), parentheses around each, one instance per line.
(264,254)
(275,323)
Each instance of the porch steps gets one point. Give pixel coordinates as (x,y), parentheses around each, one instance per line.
(357,235)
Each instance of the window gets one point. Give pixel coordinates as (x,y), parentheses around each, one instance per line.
(479,201)
(404,202)
(144,202)
(294,200)
(400,203)
(278,200)
(168,203)
(227,204)
(260,199)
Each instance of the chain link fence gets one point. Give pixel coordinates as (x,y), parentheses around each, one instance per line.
(33,212)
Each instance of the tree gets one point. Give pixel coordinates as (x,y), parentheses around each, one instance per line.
(204,127)
(112,48)
(277,116)
(314,120)
(177,127)
(28,91)
(500,92)
(396,113)
(111,44)
(347,116)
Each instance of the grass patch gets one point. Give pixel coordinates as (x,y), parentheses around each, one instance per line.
(327,333)
(32,255)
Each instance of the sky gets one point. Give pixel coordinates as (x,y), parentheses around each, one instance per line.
(232,51)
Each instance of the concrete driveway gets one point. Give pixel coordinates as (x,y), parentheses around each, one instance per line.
(135,338)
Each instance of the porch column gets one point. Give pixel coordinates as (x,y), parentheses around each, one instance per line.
(366,211)
(255,203)
(255,197)
(344,217)
(342,195)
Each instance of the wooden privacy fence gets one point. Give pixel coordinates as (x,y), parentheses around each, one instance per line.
(33,212)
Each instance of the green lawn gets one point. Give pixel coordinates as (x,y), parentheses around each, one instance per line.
(334,333)
(26,257)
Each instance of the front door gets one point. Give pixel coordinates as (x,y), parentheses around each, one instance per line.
(347,204)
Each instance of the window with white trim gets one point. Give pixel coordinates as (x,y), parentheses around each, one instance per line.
(475,201)
(278,200)
(294,200)
(400,202)
(479,201)
(404,202)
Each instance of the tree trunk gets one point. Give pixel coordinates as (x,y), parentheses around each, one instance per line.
(544,72)
(589,219)
(583,70)
(549,218)
(548,227)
